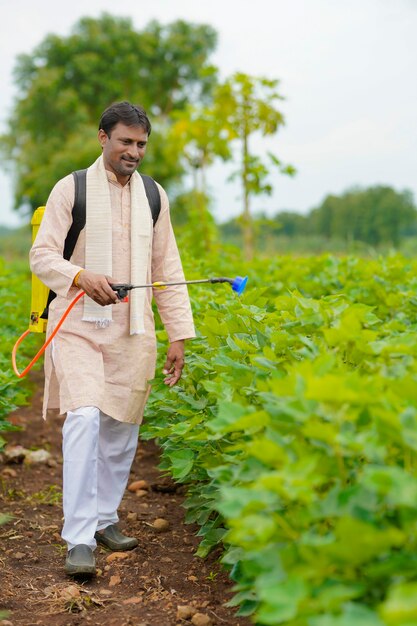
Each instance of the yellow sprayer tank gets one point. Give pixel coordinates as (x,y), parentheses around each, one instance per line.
(39,290)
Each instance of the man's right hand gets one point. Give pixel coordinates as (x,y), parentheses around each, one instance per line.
(97,287)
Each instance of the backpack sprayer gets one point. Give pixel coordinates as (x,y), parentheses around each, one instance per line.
(40,297)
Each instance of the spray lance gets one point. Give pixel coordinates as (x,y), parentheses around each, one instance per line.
(238,285)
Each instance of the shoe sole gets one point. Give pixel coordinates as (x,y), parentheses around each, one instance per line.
(80,570)
(116,546)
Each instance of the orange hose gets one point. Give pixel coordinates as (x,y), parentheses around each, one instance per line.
(47,342)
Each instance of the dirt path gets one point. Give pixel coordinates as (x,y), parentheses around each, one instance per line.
(144,588)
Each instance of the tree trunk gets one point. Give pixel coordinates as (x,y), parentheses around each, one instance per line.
(247,223)
(201,203)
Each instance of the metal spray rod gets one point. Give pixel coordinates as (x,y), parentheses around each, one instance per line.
(238,284)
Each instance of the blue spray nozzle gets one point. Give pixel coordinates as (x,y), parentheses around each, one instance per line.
(239,284)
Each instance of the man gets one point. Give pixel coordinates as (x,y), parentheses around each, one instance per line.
(101,359)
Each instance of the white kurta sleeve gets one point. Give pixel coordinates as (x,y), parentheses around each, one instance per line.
(46,255)
(173,302)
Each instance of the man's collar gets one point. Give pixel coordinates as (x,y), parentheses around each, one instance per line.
(111,176)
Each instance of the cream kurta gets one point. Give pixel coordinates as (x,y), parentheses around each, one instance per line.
(106,367)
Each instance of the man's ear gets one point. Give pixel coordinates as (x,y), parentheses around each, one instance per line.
(102,137)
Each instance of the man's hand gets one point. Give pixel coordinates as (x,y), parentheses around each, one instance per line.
(174,363)
(97,287)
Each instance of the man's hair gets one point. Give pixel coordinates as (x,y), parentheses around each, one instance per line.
(126,113)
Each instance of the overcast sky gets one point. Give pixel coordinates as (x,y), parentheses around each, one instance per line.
(347,70)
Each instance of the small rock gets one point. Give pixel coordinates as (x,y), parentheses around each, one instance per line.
(15,454)
(99,572)
(51,462)
(6,622)
(160,525)
(8,471)
(19,555)
(133,600)
(201,619)
(117,556)
(132,517)
(115,580)
(140,493)
(70,592)
(138,484)
(192,578)
(37,456)
(185,611)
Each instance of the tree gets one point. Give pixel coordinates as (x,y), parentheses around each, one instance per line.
(375,215)
(67,81)
(248,105)
(289,224)
(200,137)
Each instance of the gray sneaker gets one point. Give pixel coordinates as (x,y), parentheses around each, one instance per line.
(80,561)
(112,538)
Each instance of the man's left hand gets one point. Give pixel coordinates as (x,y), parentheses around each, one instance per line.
(174,363)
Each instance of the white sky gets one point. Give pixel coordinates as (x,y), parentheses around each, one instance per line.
(347,71)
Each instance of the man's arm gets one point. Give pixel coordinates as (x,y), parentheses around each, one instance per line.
(46,255)
(173,302)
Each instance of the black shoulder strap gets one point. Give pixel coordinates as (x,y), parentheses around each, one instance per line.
(79,215)
(78,212)
(78,223)
(154,199)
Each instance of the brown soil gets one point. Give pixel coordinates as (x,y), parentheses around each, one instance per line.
(143,589)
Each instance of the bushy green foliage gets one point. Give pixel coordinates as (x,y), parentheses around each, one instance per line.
(65,83)
(14,317)
(15,243)
(375,216)
(295,428)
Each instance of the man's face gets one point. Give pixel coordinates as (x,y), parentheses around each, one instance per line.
(124,150)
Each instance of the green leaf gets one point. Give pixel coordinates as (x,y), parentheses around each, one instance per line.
(228,414)
(400,607)
(280,599)
(353,615)
(182,463)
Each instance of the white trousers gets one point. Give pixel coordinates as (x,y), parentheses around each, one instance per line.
(98,452)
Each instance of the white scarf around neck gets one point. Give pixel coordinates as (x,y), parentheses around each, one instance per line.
(98,244)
